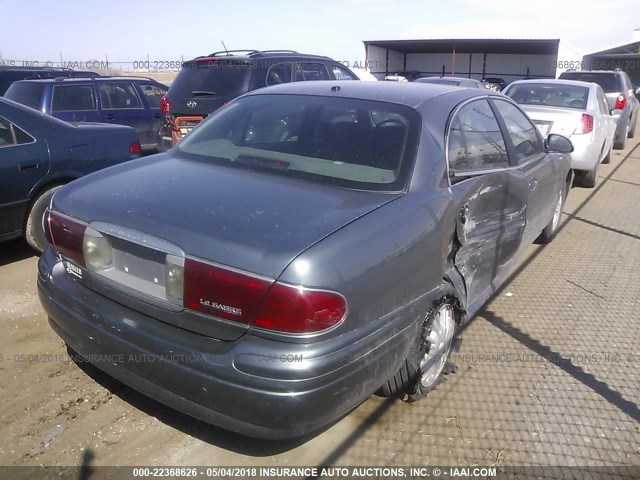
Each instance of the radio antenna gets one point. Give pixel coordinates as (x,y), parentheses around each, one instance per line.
(225,47)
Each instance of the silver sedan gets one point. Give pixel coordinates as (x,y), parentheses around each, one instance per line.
(577,110)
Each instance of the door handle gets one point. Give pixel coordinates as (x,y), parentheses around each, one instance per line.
(533,183)
(109,117)
(464,213)
(28,166)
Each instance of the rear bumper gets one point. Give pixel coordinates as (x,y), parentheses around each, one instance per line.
(255,386)
(586,153)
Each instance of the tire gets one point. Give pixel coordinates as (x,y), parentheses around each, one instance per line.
(409,382)
(620,144)
(551,230)
(33,231)
(590,177)
(606,160)
(632,129)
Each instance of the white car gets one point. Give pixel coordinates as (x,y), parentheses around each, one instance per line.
(577,110)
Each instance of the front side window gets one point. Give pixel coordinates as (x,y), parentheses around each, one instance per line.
(523,133)
(475,140)
(10,134)
(119,96)
(350,143)
(73,98)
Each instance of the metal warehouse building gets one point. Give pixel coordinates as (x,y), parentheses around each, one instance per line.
(625,56)
(510,59)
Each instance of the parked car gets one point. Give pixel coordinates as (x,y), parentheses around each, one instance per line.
(39,153)
(133,101)
(10,74)
(206,83)
(577,110)
(305,246)
(453,81)
(496,84)
(408,76)
(621,98)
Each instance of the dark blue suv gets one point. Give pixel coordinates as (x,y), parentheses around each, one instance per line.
(133,101)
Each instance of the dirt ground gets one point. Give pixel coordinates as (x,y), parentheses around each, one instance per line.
(548,372)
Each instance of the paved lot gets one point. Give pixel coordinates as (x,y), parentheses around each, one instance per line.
(549,371)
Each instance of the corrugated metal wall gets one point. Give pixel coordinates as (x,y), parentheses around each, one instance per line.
(510,67)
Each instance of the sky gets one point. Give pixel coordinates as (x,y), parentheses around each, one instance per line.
(127,31)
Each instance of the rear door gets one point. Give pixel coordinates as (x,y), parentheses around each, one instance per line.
(120,103)
(151,94)
(24,161)
(75,102)
(491,198)
(526,151)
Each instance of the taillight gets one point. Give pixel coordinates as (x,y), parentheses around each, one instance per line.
(65,235)
(135,148)
(298,310)
(621,102)
(240,297)
(222,292)
(586,124)
(165,105)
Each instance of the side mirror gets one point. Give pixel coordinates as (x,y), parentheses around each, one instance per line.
(558,143)
(616,112)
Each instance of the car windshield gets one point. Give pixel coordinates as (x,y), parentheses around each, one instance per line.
(610,82)
(220,78)
(26,93)
(439,81)
(548,94)
(359,144)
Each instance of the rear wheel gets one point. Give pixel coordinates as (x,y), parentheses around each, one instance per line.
(428,359)
(33,231)
(590,178)
(607,159)
(631,129)
(620,144)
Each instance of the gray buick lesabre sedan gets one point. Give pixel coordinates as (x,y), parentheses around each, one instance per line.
(307,245)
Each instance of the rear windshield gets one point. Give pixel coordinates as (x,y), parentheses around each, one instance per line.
(26,93)
(218,79)
(439,81)
(351,143)
(610,82)
(552,95)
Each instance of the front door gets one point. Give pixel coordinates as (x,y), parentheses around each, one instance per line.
(491,199)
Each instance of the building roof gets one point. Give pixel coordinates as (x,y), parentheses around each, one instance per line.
(628,48)
(470,45)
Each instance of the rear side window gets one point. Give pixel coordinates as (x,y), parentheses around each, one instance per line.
(610,82)
(475,139)
(350,143)
(12,135)
(73,98)
(311,71)
(341,73)
(119,96)
(218,79)
(523,133)
(152,93)
(26,93)
(279,73)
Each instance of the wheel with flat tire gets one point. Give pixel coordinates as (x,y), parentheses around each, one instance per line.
(33,231)
(428,358)
(551,230)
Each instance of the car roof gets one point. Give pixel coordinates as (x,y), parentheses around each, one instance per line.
(560,81)
(596,72)
(449,78)
(259,54)
(87,79)
(403,93)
